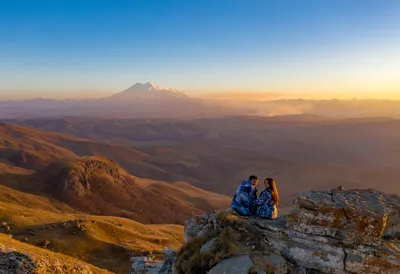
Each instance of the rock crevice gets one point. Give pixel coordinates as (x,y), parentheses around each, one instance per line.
(345,259)
(342,231)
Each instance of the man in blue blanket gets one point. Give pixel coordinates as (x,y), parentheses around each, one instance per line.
(245,197)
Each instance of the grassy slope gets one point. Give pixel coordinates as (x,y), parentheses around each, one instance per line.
(46,260)
(33,149)
(300,152)
(113,191)
(107,242)
(104,241)
(29,148)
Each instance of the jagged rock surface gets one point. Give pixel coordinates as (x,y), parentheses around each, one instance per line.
(234,265)
(342,231)
(16,263)
(351,216)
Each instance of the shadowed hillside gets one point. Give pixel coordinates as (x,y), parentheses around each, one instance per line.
(55,189)
(106,242)
(300,151)
(99,186)
(29,148)
(95,184)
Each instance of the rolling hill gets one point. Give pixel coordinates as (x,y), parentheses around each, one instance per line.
(86,210)
(301,151)
(99,186)
(48,164)
(48,261)
(44,227)
(111,185)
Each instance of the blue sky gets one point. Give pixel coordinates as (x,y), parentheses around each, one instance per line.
(69,48)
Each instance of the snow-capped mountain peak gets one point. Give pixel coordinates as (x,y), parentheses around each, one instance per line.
(149,91)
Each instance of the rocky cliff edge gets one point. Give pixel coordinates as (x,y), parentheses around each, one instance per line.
(341,231)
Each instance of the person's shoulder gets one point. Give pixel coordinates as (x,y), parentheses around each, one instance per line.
(265,192)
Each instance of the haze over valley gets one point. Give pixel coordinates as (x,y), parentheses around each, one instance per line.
(164,170)
(148,158)
(149,100)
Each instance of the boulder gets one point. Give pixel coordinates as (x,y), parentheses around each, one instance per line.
(210,245)
(278,263)
(199,226)
(16,263)
(353,216)
(234,265)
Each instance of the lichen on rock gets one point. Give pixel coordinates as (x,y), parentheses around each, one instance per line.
(342,231)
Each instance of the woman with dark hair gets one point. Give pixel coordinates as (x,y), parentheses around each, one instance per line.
(268,201)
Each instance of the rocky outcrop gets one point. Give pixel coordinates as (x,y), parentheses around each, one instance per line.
(16,263)
(351,216)
(80,177)
(342,231)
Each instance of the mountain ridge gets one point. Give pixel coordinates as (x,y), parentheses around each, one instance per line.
(217,153)
(149,91)
(78,172)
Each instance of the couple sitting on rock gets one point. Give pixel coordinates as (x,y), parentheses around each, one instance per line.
(246,203)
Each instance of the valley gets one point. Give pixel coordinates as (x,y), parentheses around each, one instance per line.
(102,190)
(217,153)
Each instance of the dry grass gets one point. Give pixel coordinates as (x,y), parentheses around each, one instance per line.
(30,148)
(107,242)
(191,260)
(14,200)
(113,191)
(34,209)
(47,260)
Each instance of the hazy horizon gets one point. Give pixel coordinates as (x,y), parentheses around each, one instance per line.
(218,95)
(92,49)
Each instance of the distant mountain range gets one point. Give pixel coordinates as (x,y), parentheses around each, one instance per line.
(150,101)
(139,100)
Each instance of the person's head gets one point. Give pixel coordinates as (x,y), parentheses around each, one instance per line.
(271,184)
(254,180)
